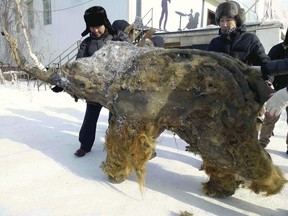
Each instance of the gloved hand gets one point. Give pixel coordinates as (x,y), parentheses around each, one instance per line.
(57,89)
(277,102)
(269,84)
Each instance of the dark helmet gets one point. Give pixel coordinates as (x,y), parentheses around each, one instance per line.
(157,41)
(120,24)
(230,9)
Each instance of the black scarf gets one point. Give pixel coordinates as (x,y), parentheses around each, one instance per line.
(228,34)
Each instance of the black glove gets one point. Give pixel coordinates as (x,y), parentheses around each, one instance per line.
(263,92)
(75,98)
(57,89)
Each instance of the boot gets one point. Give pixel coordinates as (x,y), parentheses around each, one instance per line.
(80,153)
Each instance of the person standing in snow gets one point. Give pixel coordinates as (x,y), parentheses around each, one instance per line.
(279,51)
(236,42)
(100,31)
(279,100)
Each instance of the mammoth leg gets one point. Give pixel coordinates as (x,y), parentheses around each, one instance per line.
(265,176)
(128,148)
(252,164)
(222,183)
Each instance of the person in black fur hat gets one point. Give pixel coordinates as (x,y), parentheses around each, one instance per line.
(96,16)
(100,31)
(235,41)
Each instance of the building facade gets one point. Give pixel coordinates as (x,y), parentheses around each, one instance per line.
(55,25)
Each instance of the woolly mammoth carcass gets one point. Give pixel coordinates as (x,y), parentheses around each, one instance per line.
(209,100)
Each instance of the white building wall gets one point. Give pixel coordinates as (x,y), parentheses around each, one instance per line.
(265,10)
(184,7)
(269,37)
(67,20)
(68,24)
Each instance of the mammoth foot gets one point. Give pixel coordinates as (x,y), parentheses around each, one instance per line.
(270,184)
(116,179)
(222,182)
(114,173)
(221,187)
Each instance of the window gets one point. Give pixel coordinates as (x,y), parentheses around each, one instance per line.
(30,14)
(47,16)
(211,18)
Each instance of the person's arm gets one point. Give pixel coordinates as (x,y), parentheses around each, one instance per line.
(275,67)
(257,52)
(259,57)
(277,102)
(82,51)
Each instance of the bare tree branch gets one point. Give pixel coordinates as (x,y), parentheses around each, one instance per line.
(32,55)
(13,44)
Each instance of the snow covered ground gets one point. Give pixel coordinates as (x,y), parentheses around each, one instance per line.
(40,176)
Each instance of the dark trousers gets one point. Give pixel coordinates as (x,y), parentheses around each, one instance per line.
(88,129)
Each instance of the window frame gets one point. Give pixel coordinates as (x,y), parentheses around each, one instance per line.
(30,14)
(47,13)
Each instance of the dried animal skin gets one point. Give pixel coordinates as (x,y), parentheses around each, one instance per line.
(208,99)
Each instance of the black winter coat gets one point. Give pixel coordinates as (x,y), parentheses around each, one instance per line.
(91,44)
(241,45)
(279,52)
(277,68)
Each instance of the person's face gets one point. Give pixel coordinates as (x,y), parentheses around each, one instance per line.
(97,30)
(227,23)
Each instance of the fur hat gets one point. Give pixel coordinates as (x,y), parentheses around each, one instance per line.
(95,16)
(230,9)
